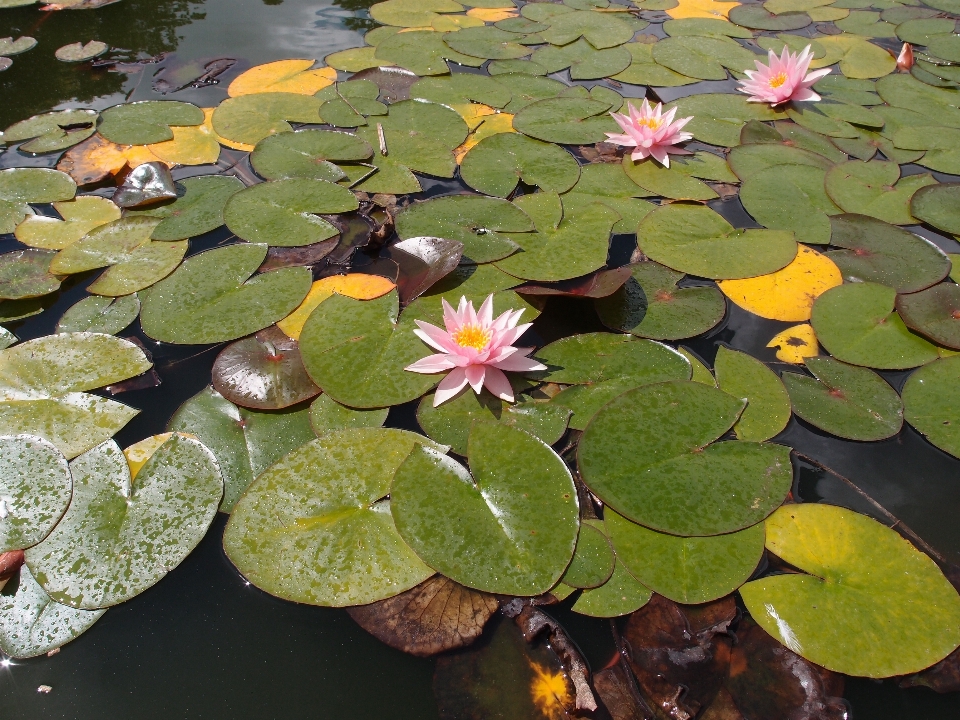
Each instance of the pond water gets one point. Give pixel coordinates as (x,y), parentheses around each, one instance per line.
(204,643)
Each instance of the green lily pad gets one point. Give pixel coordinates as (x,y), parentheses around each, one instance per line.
(359,58)
(608,184)
(356,352)
(487,42)
(52,131)
(867,24)
(9,46)
(857,324)
(80,216)
(706,27)
(475,221)
(602,30)
(42,384)
(314,528)
(283,213)
(944,46)
(308,154)
(646,455)
(520,505)
(81,52)
(873,188)
(11,310)
(934,313)
(248,119)
(791,197)
(528,89)
(622,594)
(135,261)
(593,560)
(706,58)
(813,118)
(525,67)
(26,274)
(198,211)
(345,104)
(696,240)
(701,373)
(759,18)
(246,442)
(644,70)
(497,163)
(19,186)
(651,305)
(891,610)
(7,338)
(938,206)
(461,89)
(147,121)
(212,297)
(876,252)
(567,121)
(718,117)
(750,159)
(768,405)
(669,182)
(859,58)
(422,52)
(930,398)
(411,13)
(845,400)
(98,314)
(795,43)
(848,90)
(942,146)
(31,624)
(686,569)
(584,60)
(919,31)
(904,91)
(35,485)
(449,424)
(121,536)
(327,414)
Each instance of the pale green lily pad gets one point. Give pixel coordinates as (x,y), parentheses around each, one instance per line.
(35,487)
(848,90)
(718,117)
(497,163)
(796,44)
(753,158)
(327,414)
(356,352)
(593,560)
(308,154)
(857,324)
(930,398)
(696,240)
(358,58)
(598,357)
(904,91)
(942,146)
(487,42)
(701,373)
(31,624)
(859,58)
(26,274)
(479,223)
(608,184)
(315,528)
(449,424)
(42,384)
(52,131)
(622,594)
(422,52)
(80,216)
(345,104)
(919,31)
(891,610)
(528,89)
(284,213)
(250,118)
(525,67)
(7,338)
(944,47)
(706,58)
(602,30)
(19,186)
(867,24)
(520,506)
(460,89)
(791,197)
(196,212)
(212,297)
(667,182)
(938,206)
(651,305)
(411,13)
(845,400)
(759,18)
(245,442)
(584,60)
(567,121)
(875,188)
(586,400)
(147,121)
(644,70)
(98,314)
(81,52)
(707,27)
(647,454)
(686,569)
(9,46)
(768,404)
(120,537)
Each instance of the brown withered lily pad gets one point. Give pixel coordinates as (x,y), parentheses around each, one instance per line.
(595,285)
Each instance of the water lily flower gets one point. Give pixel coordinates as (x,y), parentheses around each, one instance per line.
(650,132)
(476,349)
(905,58)
(785,78)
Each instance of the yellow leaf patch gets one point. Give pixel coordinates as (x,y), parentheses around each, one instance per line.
(795,344)
(355,285)
(292,76)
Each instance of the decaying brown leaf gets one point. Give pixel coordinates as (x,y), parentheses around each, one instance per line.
(595,285)
(618,694)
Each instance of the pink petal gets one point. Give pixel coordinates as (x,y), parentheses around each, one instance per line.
(431,364)
(805,95)
(435,337)
(498,384)
(485,316)
(450,386)
(660,155)
(475,375)
(518,362)
(450,317)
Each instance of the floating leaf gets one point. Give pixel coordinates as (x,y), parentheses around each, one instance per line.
(686,569)
(147,184)
(696,240)
(523,514)
(718,118)
(146,121)
(920,30)
(52,131)
(664,475)
(593,561)
(651,305)
(934,313)
(199,210)
(701,57)
(669,182)
(100,314)
(857,324)
(286,76)
(859,58)
(422,52)
(35,485)
(565,120)
(80,216)
(795,344)
(904,91)
(644,70)
(754,158)
(609,184)
(759,18)
(707,27)
(791,197)
(768,405)
(308,154)
(7,338)
(327,415)
(323,501)
(9,46)
(873,188)
(622,594)
(411,13)
(80,52)
(602,30)
(486,42)
(930,401)
(246,442)
(212,298)
(497,163)
(585,61)
(865,577)
(19,186)
(938,206)
(26,274)
(119,537)
(194,145)
(845,400)
(355,59)
(354,285)
(248,119)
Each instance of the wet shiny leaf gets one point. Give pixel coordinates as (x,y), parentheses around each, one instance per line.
(286,76)
(80,216)
(35,485)
(938,207)
(196,212)
(26,274)
(768,405)
(100,314)
(593,560)
(622,594)
(52,131)
(19,186)
(327,414)
(146,121)
(930,402)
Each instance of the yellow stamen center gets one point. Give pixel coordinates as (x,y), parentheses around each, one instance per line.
(472,336)
(650,122)
(778,80)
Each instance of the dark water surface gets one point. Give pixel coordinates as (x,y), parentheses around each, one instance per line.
(203,643)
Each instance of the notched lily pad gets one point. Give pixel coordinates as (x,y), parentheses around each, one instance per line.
(934,313)
(35,489)
(497,163)
(308,154)
(99,314)
(146,121)
(199,210)
(52,131)
(26,274)
(930,398)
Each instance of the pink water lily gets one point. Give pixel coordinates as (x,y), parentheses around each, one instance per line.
(476,349)
(785,78)
(650,132)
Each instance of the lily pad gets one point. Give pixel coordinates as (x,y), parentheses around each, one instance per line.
(246,442)
(696,240)
(919,31)
(669,182)
(314,527)
(308,154)
(26,274)
(622,594)
(647,455)
(411,13)
(845,400)
(718,117)
(934,313)
(651,305)
(460,89)
(875,188)
(566,120)
(98,314)
(857,324)
(755,157)
(520,505)
(19,186)
(768,405)
(248,119)
(35,485)
(9,46)
(706,58)
(80,216)
(686,569)
(759,18)
(593,561)
(874,251)
(31,624)
(121,536)
(497,163)
(597,357)
(706,27)
(938,206)
(644,70)
(791,197)
(212,297)
(147,121)
(52,131)
(81,52)
(196,212)
(608,184)
(487,42)
(584,60)
(422,52)
(602,30)
(327,414)
(930,398)
(43,384)
(904,91)
(891,610)
(859,58)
